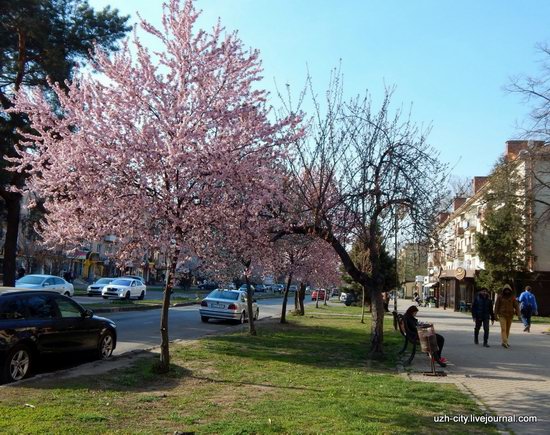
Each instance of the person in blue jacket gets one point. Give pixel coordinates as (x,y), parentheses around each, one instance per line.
(482,311)
(528,307)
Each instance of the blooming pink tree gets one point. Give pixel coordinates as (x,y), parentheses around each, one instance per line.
(154,148)
(307,260)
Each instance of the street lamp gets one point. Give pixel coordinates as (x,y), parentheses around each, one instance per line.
(396,274)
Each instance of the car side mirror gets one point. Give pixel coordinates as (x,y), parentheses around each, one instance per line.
(44,284)
(87,314)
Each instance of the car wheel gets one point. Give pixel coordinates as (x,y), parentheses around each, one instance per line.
(106,345)
(204,319)
(141,296)
(105,297)
(18,364)
(127,296)
(68,294)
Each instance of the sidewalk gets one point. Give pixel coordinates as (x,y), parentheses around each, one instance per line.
(514,381)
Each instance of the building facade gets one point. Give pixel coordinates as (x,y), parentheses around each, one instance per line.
(453,261)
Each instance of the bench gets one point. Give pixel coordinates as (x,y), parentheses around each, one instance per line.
(409,337)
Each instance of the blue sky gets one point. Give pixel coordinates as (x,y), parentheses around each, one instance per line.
(449,59)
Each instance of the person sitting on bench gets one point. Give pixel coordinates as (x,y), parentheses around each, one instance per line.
(411,324)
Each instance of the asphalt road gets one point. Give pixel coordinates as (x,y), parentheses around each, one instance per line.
(138,330)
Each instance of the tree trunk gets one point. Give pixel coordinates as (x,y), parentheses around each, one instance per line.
(377,326)
(363,305)
(296,301)
(249,296)
(301,296)
(285,298)
(13,207)
(164,366)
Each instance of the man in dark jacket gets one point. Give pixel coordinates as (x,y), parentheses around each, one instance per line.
(482,311)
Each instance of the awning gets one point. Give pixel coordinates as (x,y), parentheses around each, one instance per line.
(78,255)
(457,273)
(431,284)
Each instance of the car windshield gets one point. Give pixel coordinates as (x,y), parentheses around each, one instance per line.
(224,294)
(104,280)
(121,282)
(29,279)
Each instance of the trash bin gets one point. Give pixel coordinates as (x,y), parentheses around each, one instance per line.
(427,338)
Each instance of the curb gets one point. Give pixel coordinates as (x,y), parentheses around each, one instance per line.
(140,307)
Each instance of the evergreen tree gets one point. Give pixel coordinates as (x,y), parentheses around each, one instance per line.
(40,39)
(501,245)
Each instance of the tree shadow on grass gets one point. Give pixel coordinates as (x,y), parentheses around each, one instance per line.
(310,345)
(136,373)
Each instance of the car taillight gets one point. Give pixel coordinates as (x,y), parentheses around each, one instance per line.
(204,304)
(232,307)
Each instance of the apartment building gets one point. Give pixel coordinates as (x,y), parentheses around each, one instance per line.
(453,261)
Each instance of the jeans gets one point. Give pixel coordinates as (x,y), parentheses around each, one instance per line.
(526,312)
(485,322)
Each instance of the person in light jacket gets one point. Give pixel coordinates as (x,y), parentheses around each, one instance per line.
(505,308)
(528,307)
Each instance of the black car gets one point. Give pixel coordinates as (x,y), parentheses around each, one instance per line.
(35,323)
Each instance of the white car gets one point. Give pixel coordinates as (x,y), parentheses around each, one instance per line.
(242,288)
(125,288)
(343,296)
(227,304)
(97,287)
(46,282)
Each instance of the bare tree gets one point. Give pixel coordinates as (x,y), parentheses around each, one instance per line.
(358,167)
(536,93)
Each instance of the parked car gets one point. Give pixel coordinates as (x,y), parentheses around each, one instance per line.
(334,292)
(45,282)
(293,288)
(140,278)
(208,285)
(260,288)
(343,297)
(40,323)
(277,288)
(125,288)
(96,288)
(350,299)
(227,304)
(321,294)
(242,288)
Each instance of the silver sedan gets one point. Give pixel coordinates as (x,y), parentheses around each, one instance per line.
(227,304)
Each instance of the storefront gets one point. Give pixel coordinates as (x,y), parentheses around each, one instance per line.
(456,288)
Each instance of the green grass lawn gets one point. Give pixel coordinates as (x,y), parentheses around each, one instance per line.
(540,320)
(309,376)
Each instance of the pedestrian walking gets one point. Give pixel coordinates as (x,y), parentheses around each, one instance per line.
(505,308)
(482,312)
(528,307)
